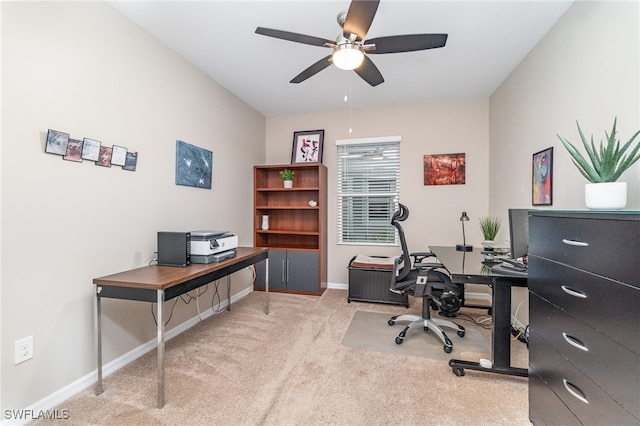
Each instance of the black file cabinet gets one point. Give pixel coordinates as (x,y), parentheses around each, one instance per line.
(584,340)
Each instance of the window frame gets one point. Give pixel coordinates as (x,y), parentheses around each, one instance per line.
(350,192)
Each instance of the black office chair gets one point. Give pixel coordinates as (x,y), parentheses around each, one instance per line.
(426,280)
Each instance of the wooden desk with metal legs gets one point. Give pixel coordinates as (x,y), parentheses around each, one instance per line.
(467,267)
(161,283)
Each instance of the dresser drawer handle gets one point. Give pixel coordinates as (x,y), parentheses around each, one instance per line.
(575,243)
(572,292)
(575,342)
(574,391)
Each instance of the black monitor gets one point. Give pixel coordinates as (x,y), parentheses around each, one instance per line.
(518,232)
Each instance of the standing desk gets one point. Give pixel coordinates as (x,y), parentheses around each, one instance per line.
(161,283)
(467,267)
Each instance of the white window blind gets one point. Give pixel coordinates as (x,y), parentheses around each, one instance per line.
(368,190)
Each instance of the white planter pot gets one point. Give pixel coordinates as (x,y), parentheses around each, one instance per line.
(605,196)
(288,184)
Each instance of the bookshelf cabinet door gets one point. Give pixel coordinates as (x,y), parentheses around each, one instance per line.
(302,271)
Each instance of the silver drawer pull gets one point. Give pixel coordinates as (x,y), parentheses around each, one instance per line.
(575,342)
(574,391)
(575,243)
(572,292)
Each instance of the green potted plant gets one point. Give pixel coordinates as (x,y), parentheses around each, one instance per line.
(490,227)
(603,166)
(287,175)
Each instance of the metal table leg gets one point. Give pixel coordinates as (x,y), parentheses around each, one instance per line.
(266,287)
(160,348)
(97,321)
(228,292)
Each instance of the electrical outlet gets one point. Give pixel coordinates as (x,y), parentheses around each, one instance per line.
(24,350)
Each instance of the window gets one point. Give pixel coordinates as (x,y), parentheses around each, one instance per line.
(368,190)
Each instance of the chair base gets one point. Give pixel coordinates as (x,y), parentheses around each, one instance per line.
(432,324)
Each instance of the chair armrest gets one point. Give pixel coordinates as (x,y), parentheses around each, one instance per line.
(418,257)
(428,265)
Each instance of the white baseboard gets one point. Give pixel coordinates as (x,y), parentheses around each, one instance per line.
(45,407)
(338,286)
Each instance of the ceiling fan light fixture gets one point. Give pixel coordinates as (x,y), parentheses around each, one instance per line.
(348,56)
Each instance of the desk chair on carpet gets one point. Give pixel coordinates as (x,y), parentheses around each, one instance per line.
(426,280)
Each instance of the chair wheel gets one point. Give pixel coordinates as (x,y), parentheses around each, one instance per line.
(399,340)
(461,333)
(448,349)
(458,371)
(391,322)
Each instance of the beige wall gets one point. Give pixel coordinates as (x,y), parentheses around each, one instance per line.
(587,69)
(425,129)
(82,68)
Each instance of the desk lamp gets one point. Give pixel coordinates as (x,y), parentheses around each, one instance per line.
(464,247)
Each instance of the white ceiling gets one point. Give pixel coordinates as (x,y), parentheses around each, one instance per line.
(487,40)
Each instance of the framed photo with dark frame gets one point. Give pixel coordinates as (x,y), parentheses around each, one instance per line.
(542,178)
(56,142)
(74,151)
(131,161)
(91,149)
(307,147)
(118,155)
(104,157)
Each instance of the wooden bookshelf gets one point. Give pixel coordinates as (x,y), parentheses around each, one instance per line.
(294,225)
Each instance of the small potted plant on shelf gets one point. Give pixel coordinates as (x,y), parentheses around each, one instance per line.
(604,166)
(287,176)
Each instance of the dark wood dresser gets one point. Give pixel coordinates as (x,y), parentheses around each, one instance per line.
(584,318)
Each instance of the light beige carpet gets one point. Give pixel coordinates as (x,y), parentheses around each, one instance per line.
(290,368)
(370,330)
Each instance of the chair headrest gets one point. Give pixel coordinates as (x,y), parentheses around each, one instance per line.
(401,215)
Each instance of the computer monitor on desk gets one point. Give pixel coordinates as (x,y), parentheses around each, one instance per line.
(518,242)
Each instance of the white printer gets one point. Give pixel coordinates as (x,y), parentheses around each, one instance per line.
(212,246)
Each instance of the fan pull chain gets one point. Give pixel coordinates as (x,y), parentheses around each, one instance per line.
(350,104)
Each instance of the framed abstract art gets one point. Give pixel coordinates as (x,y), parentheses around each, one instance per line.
(307,147)
(542,178)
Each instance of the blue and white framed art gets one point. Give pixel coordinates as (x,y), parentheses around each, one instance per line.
(194,165)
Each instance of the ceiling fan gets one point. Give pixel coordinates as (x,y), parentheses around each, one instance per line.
(350,47)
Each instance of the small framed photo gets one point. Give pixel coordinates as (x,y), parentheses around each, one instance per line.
(74,151)
(104,158)
(91,149)
(118,155)
(131,161)
(542,178)
(307,146)
(56,142)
